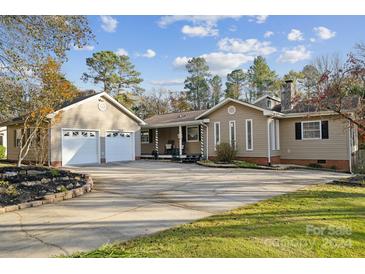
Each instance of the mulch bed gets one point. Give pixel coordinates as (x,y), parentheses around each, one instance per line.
(358,181)
(24,184)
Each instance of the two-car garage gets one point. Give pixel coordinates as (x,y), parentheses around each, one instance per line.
(84,146)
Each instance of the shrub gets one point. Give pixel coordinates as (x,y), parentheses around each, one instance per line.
(225,153)
(55,172)
(314,165)
(2,152)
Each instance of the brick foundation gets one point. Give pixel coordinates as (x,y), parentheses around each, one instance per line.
(341,165)
(56,163)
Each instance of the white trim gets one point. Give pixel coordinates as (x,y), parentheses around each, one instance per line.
(215,137)
(187,135)
(148,131)
(350,147)
(82,129)
(308,114)
(320,129)
(251,133)
(225,101)
(235,133)
(98,95)
(207,139)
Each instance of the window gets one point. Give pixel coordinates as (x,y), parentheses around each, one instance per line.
(145,136)
(217,134)
(192,134)
(232,133)
(268,103)
(311,130)
(249,141)
(1,139)
(18,137)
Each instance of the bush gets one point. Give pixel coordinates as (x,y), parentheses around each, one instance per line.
(244,164)
(2,152)
(225,153)
(315,165)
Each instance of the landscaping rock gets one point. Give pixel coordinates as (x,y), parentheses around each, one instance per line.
(70,186)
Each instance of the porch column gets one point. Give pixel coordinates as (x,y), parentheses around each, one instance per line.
(156,139)
(202,142)
(180,141)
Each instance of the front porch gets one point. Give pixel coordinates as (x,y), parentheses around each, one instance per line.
(181,142)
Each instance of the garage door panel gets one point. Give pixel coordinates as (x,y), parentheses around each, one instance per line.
(119,146)
(80,147)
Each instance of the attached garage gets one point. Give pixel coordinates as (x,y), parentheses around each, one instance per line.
(119,146)
(80,147)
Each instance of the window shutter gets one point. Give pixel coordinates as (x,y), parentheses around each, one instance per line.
(183,130)
(14,137)
(298,131)
(150,135)
(200,137)
(324,129)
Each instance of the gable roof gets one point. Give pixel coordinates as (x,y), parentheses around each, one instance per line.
(81,100)
(267,96)
(174,117)
(227,100)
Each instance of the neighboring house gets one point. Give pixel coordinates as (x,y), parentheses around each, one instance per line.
(91,129)
(267,132)
(3,137)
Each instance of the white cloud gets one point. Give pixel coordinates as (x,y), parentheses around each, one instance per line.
(195,19)
(324,33)
(121,51)
(294,55)
(295,35)
(108,23)
(232,28)
(268,34)
(219,63)
(200,31)
(148,54)
(259,19)
(312,39)
(84,48)
(249,46)
(173,82)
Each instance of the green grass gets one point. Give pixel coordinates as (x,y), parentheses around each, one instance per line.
(271,228)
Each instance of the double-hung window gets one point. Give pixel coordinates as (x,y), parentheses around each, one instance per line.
(311,130)
(192,134)
(217,134)
(249,140)
(232,133)
(145,136)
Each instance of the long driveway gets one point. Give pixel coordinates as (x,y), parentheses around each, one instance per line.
(137,198)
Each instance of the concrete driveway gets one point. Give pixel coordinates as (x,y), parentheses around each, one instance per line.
(136,198)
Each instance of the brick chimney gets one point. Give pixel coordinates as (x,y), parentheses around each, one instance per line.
(287,95)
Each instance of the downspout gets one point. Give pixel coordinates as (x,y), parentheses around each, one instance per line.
(268,143)
(207,139)
(350,148)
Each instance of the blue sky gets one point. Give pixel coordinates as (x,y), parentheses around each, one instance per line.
(159,46)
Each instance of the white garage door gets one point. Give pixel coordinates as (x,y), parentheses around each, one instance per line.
(80,147)
(119,146)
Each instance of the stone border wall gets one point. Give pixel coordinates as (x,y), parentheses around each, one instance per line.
(53,198)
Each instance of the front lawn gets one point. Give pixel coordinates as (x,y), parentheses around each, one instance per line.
(319,221)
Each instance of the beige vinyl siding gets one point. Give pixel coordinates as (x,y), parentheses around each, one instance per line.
(334,148)
(259,126)
(88,116)
(12,150)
